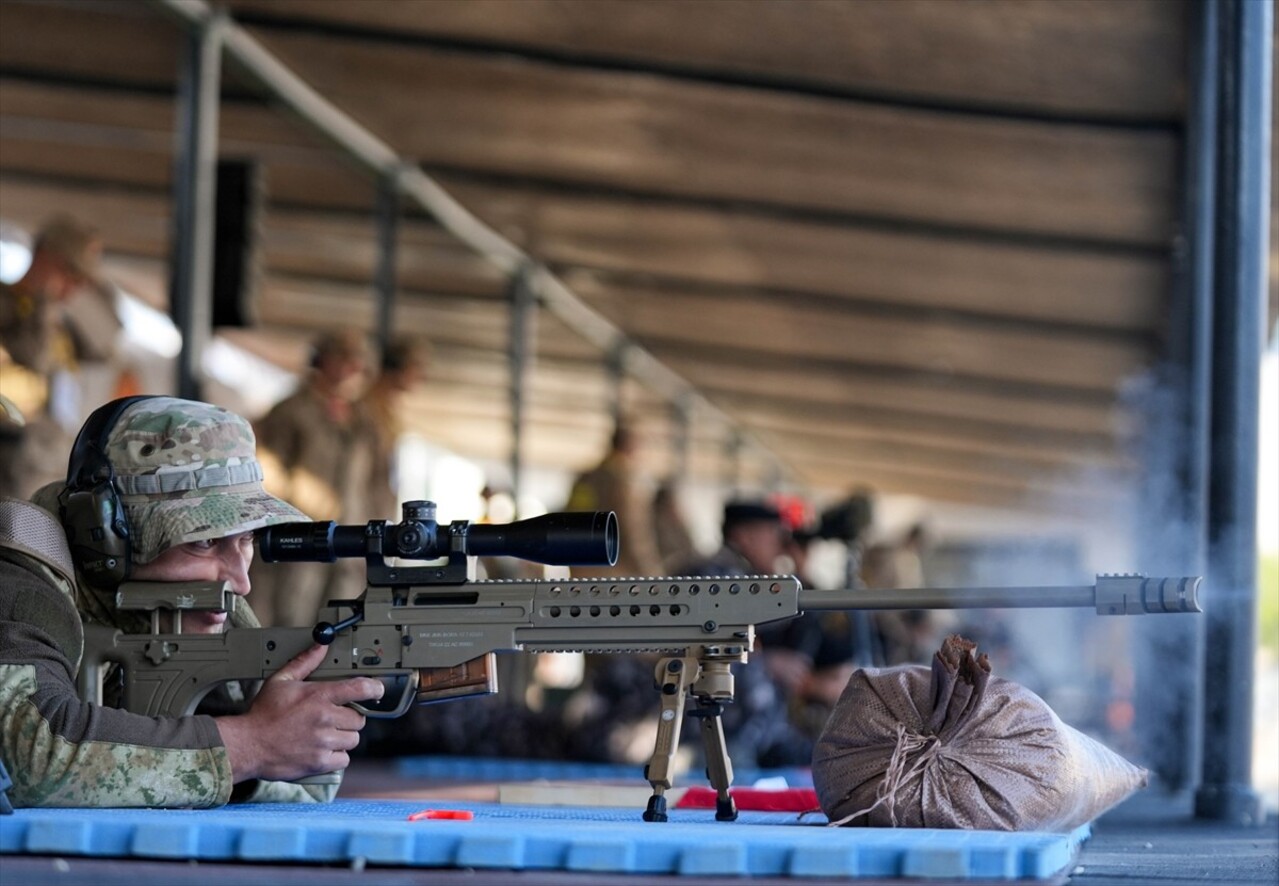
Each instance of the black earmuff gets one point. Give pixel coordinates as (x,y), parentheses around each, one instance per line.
(89,507)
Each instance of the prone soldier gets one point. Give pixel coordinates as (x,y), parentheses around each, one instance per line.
(158,489)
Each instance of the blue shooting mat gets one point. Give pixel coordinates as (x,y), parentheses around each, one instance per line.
(537,838)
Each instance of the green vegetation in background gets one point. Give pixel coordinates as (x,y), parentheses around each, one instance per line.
(1268,606)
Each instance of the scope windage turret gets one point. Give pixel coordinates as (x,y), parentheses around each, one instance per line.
(557,539)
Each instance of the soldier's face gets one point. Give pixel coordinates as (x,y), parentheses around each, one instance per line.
(63,284)
(760,542)
(223,559)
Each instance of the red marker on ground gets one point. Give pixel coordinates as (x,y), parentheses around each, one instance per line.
(443,814)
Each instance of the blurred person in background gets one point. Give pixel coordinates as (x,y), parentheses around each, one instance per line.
(757,725)
(614,485)
(810,657)
(909,636)
(613,716)
(674,541)
(55,317)
(404,365)
(607,715)
(754,539)
(319,451)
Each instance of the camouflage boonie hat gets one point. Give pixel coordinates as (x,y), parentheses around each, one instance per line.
(187,471)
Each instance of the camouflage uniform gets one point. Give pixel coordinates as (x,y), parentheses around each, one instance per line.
(185,472)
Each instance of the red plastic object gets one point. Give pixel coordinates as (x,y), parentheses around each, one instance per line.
(443,814)
(753,799)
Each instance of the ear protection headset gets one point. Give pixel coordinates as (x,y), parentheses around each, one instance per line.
(89,507)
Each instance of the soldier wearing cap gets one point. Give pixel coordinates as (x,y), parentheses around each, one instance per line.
(52,319)
(35,330)
(319,450)
(186,477)
(754,537)
(756,726)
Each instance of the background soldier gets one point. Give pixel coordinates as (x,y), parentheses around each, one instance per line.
(320,453)
(57,316)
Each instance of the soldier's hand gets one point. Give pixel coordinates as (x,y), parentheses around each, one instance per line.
(294,728)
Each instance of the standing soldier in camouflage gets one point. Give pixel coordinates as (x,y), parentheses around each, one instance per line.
(320,453)
(404,364)
(180,490)
(55,317)
(614,485)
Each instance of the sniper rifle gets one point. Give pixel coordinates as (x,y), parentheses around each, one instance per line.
(430,632)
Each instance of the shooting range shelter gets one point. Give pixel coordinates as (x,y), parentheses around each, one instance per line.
(1000,254)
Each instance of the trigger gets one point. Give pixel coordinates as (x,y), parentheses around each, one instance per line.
(399,690)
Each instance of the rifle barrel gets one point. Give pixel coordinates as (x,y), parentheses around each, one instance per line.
(1112,595)
(945,598)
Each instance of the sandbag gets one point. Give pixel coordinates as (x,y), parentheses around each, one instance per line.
(954,747)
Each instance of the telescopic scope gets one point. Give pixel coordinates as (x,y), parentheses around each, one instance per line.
(556,539)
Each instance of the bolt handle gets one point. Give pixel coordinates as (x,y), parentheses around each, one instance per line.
(325,633)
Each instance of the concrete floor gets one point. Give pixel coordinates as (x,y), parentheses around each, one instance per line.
(1153,839)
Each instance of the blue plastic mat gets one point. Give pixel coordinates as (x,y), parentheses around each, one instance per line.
(440,768)
(537,838)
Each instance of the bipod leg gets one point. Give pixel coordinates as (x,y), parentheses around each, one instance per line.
(719,769)
(673,676)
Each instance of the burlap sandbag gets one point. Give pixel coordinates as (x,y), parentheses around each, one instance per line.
(957,748)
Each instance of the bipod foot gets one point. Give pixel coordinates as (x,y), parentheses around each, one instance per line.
(725,809)
(656,810)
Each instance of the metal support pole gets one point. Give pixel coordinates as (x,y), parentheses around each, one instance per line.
(194,184)
(1168,696)
(388,221)
(1238,329)
(523,347)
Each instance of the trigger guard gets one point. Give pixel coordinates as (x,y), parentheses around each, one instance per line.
(400,690)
